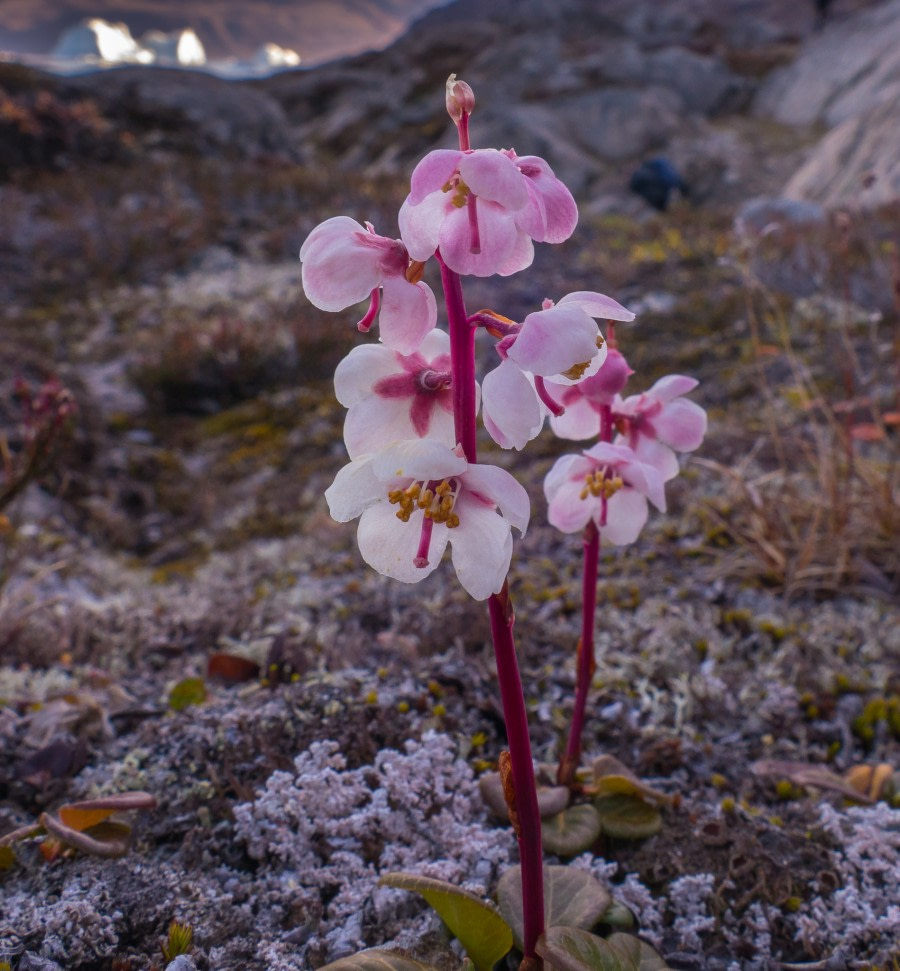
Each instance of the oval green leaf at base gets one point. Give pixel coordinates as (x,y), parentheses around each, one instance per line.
(571,897)
(572,831)
(627,817)
(574,949)
(377,959)
(483,933)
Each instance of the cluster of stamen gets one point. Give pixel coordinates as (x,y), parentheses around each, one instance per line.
(436,499)
(600,484)
(459,189)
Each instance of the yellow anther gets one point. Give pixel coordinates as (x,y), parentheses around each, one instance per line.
(443,488)
(576,370)
(415,271)
(413,491)
(452,521)
(394,495)
(600,341)
(425,499)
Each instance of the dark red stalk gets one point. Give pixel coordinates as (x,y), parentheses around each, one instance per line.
(528,830)
(585,665)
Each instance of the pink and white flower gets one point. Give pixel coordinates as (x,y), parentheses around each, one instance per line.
(607,484)
(483,208)
(660,422)
(413,498)
(345,263)
(392,396)
(559,343)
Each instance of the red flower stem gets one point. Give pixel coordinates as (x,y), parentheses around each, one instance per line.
(528,830)
(585,664)
(462,362)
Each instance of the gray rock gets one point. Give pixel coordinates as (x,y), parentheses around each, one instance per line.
(857,164)
(210,112)
(852,66)
(182,962)
(32,962)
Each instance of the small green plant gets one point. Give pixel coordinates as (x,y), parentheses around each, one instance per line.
(179,940)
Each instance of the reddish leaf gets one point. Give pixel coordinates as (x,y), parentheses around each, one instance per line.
(231,667)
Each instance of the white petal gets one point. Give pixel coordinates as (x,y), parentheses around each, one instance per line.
(361,369)
(390,546)
(419,459)
(482,548)
(375,423)
(499,487)
(354,489)
(510,406)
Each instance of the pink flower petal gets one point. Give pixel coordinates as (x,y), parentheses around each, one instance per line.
(552,214)
(671,386)
(339,271)
(580,421)
(626,514)
(567,511)
(493,176)
(432,173)
(498,238)
(420,225)
(596,305)
(552,341)
(661,457)
(681,424)
(408,313)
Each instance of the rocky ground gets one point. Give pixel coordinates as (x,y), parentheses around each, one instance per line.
(179,615)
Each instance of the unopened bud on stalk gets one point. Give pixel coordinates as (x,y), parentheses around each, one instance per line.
(460,99)
(460,104)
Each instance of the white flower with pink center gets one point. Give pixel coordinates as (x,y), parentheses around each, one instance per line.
(483,208)
(345,263)
(392,397)
(607,484)
(660,422)
(413,498)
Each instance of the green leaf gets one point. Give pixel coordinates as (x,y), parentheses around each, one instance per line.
(483,933)
(190,691)
(377,959)
(573,949)
(640,954)
(612,777)
(7,857)
(571,831)
(627,817)
(571,897)
(617,915)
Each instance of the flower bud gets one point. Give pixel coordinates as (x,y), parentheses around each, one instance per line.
(460,99)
